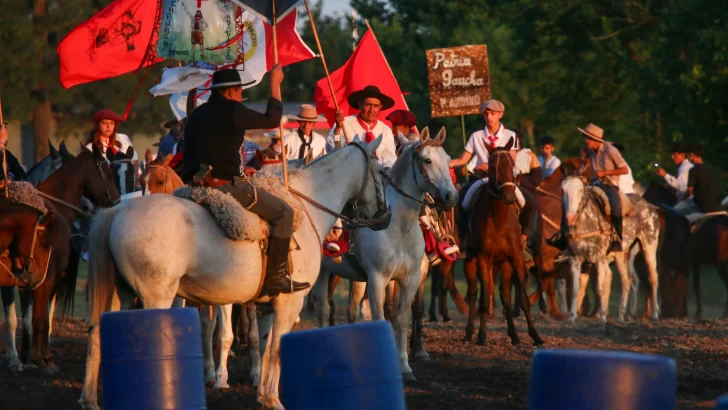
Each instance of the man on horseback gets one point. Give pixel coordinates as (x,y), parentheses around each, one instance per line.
(215,135)
(608,165)
(365,125)
(549,162)
(679,183)
(304,141)
(702,186)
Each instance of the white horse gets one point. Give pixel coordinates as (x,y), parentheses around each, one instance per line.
(397,252)
(194,259)
(589,240)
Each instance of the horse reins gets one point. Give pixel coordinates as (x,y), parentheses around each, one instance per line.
(29,263)
(498,193)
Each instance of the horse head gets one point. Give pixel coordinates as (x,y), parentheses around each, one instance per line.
(159,177)
(430,165)
(573,197)
(370,202)
(500,172)
(98,178)
(30,248)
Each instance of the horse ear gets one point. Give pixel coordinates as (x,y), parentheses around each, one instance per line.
(47,218)
(441,136)
(54,152)
(167,159)
(109,153)
(148,157)
(372,146)
(130,153)
(402,139)
(64,151)
(510,143)
(425,134)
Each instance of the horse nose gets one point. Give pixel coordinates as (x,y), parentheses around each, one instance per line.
(448,197)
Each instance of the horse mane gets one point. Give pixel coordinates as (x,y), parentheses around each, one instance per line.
(399,169)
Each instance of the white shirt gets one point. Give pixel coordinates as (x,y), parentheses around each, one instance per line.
(387,151)
(293,145)
(626,182)
(548,166)
(126,143)
(477,141)
(680,184)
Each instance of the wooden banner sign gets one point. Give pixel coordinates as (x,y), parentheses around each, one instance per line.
(459,79)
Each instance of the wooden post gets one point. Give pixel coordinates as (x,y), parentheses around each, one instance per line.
(323,61)
(388,67)
(462,125)
(280,125)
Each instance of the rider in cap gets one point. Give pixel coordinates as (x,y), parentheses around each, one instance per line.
(214,136)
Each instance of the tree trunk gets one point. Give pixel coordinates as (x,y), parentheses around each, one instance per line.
(43,128)
(528,131)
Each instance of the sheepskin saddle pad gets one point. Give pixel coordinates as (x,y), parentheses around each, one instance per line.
(23,192)
(238,223)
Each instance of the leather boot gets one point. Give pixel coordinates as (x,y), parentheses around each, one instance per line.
(616,245)
(277,277)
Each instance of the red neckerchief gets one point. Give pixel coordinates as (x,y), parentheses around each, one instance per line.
(369,135)
(491,138)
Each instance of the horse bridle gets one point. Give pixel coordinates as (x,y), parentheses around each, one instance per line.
(166,176)
(416,158)
(580,210)
(498,193)
(37,229)
(355,221)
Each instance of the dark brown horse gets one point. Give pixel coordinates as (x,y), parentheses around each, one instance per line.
(89,175)
(495,243)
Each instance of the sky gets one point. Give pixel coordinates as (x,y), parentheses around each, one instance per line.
(336,7)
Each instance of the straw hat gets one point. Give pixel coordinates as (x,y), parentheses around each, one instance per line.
(593,132)
(307,113)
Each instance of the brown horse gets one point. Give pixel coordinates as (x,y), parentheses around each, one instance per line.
(495,242)
(158,177)
(89,175)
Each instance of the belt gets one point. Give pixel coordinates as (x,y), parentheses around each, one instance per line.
(214,182)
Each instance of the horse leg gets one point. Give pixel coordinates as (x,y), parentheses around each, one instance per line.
(41,297)
(287,308)
(51,314)
(319,297)
(723,273)
(26,309)
(576,293)
(333,283)
(471,271)
(634,289)
(356,294)
(485,278)
(454,294)
(526,307)
(604,280)
(626,278)
(650,255)
(260,327)
(696,289)
(435,292)
(418,311)
(226,340)
(207,328)
(505,294)
(407,291)
(11,320)
(561,290)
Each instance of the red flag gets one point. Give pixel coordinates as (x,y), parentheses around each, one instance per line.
(366,66)
(115,41)
(291,48)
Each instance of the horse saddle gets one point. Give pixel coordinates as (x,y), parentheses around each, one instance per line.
(476,190)
(238,223)
(628,206)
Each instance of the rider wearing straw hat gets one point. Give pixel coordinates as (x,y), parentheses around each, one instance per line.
(215,135)
(608,164)
(303,141)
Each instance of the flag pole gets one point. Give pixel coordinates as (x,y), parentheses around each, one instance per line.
(280,125)
(326,68)
(390,68)
(4,164)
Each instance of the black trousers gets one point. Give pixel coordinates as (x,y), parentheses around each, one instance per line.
(615,203)
(269,207)
(527,217)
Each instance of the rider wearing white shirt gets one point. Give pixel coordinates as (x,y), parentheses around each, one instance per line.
(549,162)
(303,141)
(679,184)
(365,125)
(626,181)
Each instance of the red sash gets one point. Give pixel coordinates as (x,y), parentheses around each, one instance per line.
(369,137)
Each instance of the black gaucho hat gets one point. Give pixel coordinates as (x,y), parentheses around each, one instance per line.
(370,91)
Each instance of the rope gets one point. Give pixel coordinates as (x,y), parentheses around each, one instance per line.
(62,202)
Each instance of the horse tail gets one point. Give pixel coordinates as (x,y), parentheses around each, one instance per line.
(67,286)
(102,272)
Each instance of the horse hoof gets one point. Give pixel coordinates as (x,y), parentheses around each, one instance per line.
(16,368)
(480,341)
(31,366)
(422,356)
(408,377)
(446,319)
(571,320)
(538,341)
(558,316)
(221,386)
(603,320)
(88,406)
(256,381)
(433,319)
(515,341)
(50,370)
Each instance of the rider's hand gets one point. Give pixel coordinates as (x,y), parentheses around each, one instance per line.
(250,171)
(482,167)
(600,174)
(661,172)
(339,122)
(276,74)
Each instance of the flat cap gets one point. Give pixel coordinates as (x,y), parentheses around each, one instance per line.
(493,105)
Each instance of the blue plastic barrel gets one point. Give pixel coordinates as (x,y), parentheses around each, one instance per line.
(601,380)
(722,403)
(151,359)
(352,367)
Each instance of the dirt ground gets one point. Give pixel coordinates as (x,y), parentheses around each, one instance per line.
(459,376)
